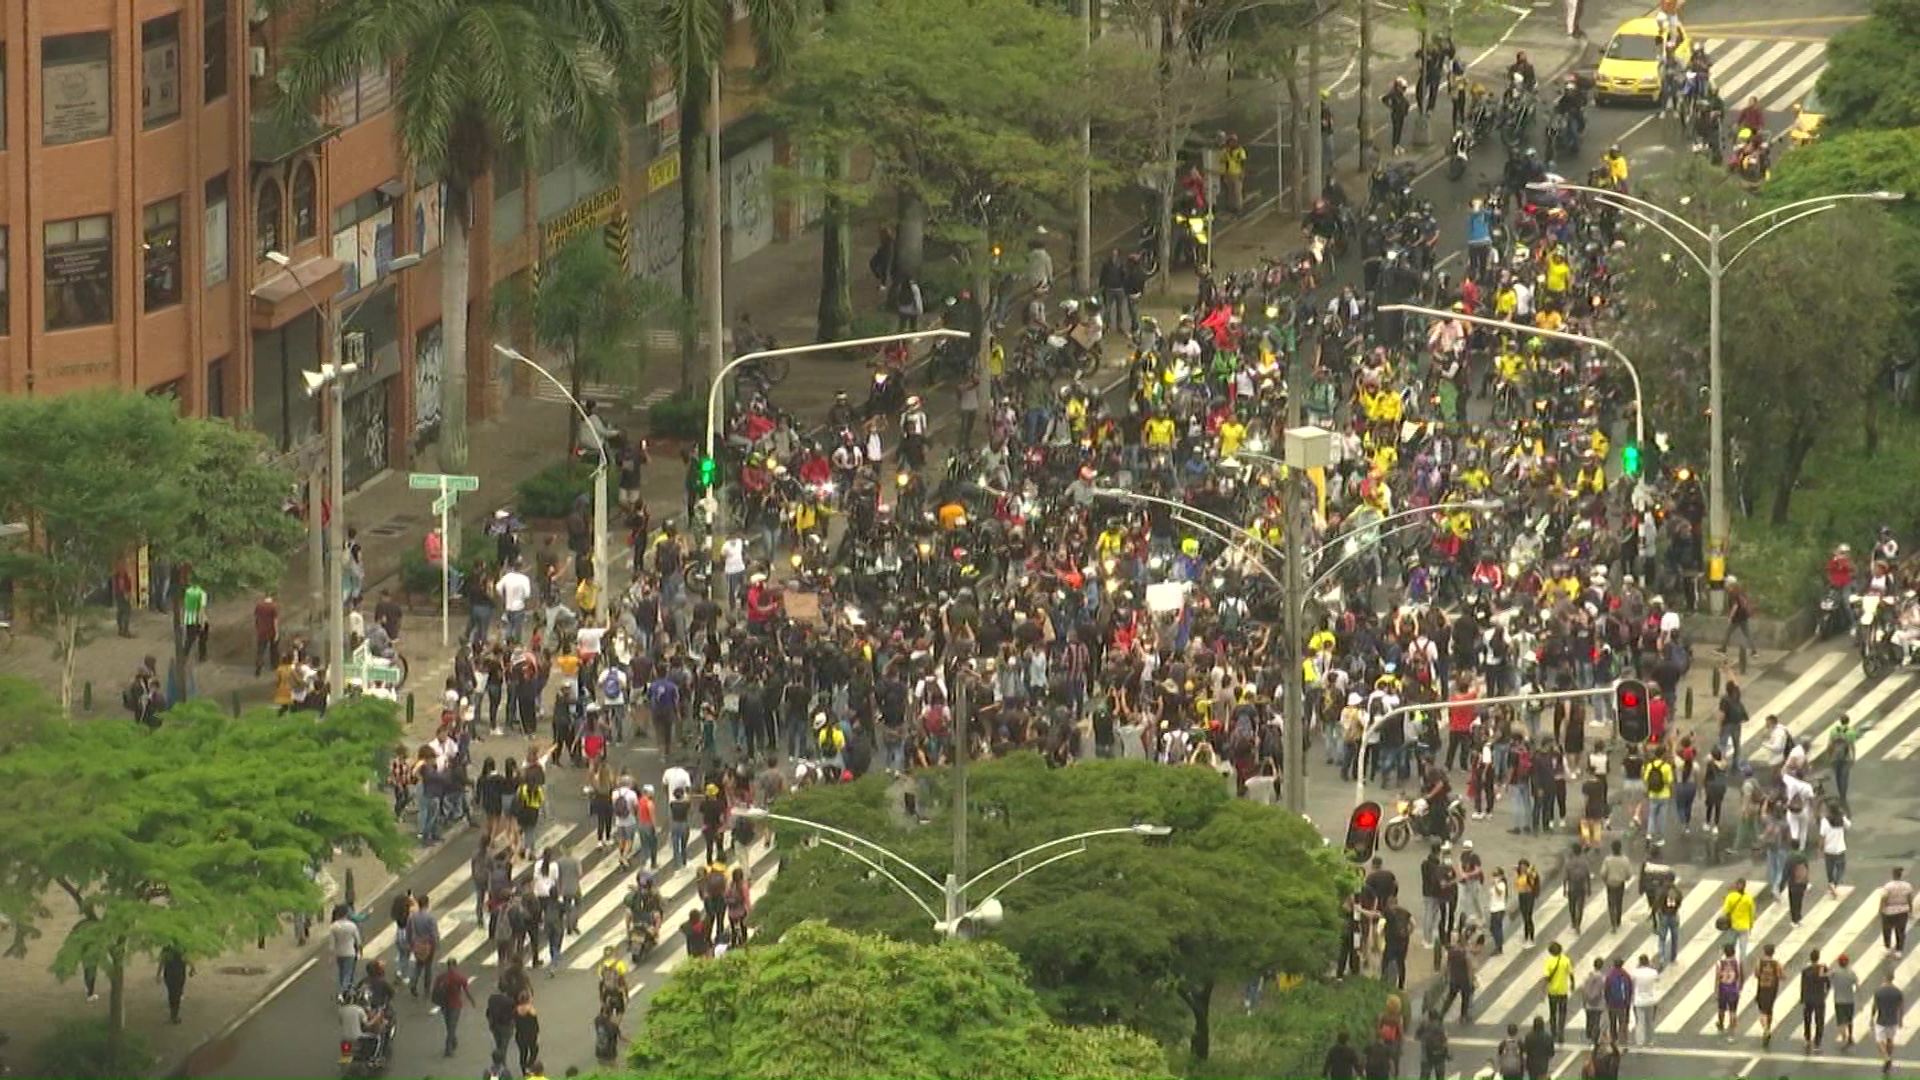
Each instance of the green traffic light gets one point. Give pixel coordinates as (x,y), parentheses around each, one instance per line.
(1630,459)
(706,472)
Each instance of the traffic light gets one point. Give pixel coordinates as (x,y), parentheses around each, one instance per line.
(1630,459)
(1630,711)
(706,475)
(1363,832)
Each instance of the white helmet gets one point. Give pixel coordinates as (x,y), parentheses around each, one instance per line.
(1069,307)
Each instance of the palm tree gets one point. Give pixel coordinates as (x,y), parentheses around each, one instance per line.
(690,37)
(477,79)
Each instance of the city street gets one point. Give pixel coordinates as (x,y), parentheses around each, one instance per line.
(1774,60)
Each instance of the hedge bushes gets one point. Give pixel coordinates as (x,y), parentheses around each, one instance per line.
(85,1050)
(551,492)
(1289,1034)
(677,418)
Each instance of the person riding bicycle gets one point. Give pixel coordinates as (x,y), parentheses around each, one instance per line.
(1708,121)
(1751,115)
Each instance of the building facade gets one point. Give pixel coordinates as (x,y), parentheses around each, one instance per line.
(141,192)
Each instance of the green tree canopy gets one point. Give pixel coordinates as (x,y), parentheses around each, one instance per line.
(1795,384)
(1872,78)
(1130,931)
(956,101)
(826,1002)
(197,837)
(95,476)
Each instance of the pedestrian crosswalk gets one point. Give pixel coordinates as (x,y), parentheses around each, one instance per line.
(604,887)
(1512,985)
(1832,683)
(1778,73)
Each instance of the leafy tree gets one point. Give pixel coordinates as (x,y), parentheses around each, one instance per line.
(94,476)
(968,108)
(196,837)
(477,80)
(589,308)
(1236,889)
(1794,387)
(825,1002)
(235,534)
(1291,1030)
(690,37)
(1872,78)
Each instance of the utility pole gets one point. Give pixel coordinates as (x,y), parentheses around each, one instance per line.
(957,695)
(1316,166)
(1083,236)
(1294,775)
(1364,119)
(1168,169)
(716,306)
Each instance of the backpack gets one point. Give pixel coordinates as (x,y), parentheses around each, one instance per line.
(441,992)
(610,683)
(1508,1058)
(133,697)
(1657,774)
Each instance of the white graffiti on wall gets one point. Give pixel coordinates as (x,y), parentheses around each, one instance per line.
(750,200)
(429,367)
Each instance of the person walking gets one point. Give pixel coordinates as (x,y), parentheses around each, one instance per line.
(1889,1003)
(1526,891)
(1616,872)
(1593,999)
(1432,1037)
(1767,976)
(1833,847)
(1558,972)
(1398,104)
(1728,975)
(1738,911)
(1459,978)
(174,971)
(452,994)
(499,1014)
(266,635)
(526,1031)
(1646,999)
(1619,994)
(1843,983)
(1814,986)
(1896,908)
(344,942)
(1497,896)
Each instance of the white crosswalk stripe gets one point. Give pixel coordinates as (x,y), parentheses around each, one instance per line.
(1514,990)
(1778,73)
(1886,711)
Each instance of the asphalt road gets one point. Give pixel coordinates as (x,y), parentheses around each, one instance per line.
(1701,1063)
(294,1034)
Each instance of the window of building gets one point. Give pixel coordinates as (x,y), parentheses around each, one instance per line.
(363,97)
(266,219)
(159,71)
(213,55)
(6,294)
(160,245)
(79,271)
(217,388)
(76,87)
(217,230)
(306,197)
(363,240)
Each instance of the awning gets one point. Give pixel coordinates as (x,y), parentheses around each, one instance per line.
(278,299)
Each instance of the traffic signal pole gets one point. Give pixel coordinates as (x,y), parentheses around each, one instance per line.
(1360,770)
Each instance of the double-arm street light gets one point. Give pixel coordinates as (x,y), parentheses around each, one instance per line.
(331,380)
(1712,240)
(1306,449)
(590,424)
(955,916)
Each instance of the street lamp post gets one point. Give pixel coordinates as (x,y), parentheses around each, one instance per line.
(1715,266)
(954,891)
(718,508)
(600,472)
(331,378)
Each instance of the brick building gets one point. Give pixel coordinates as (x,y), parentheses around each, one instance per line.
(141,188)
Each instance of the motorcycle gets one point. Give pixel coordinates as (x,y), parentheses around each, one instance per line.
(887,395)
(372,1052)
(1834,618)
(1461,148)
(1563,137)
(1410,820)
(1880,651)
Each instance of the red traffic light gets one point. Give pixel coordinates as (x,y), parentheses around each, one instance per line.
(1629,699)
(1363,827)
(1367,817)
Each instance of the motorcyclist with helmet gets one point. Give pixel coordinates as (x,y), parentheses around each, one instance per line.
(1572,105)
(1522,68)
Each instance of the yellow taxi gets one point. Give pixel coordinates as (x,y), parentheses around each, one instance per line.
(1808,114)
(1630,68)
